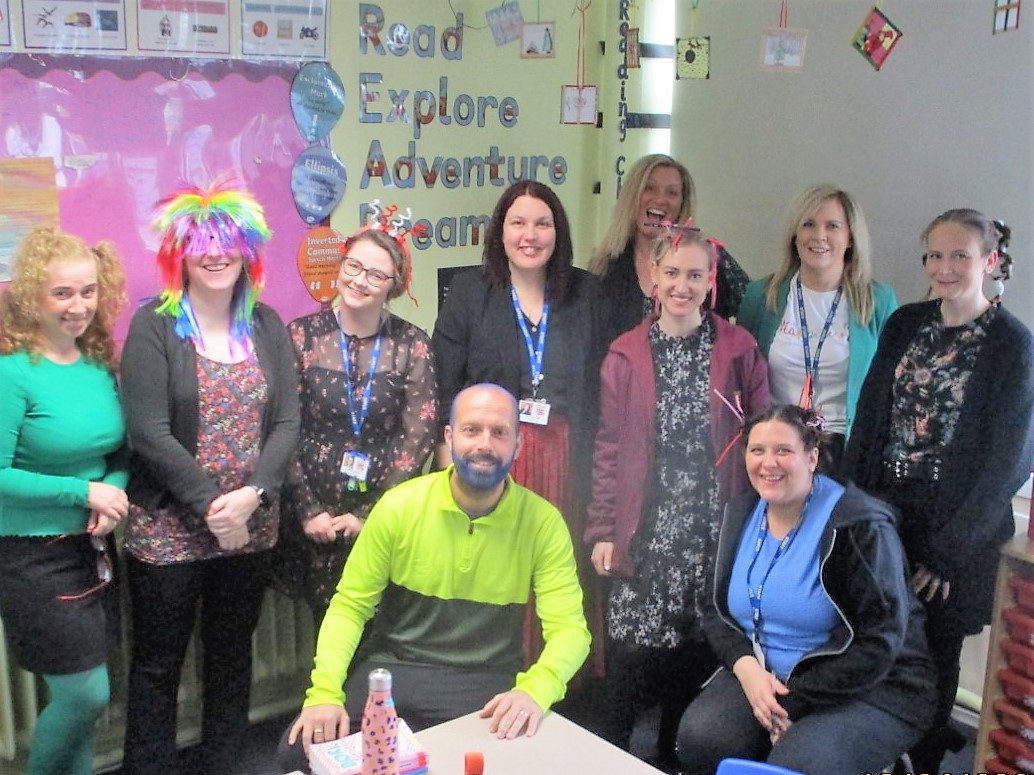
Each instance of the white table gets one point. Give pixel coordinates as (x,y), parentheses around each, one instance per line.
(559,746)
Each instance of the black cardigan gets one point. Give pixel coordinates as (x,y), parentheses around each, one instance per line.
(988,460)
(160,396)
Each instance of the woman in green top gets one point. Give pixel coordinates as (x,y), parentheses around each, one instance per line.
(62,476)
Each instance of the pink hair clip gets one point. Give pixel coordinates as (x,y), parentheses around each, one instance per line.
(737,410)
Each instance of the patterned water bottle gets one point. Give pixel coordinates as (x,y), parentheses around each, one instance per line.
(380,727)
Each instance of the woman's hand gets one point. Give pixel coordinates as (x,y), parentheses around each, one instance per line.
(602,555)
(924,579)
(107,500)
(763,690)
(348,524)
(99,525)
(321,528)
(228,515)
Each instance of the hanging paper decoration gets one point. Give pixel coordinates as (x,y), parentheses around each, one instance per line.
(876,37)
(632,48)
(692,58)
(693,54)
(1007,15)
(782,48)
(317,183)
(578,101)
(317,100)
(505,21)
(319,258)
(537,40)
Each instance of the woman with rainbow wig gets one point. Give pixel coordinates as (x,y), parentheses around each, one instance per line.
(211,403)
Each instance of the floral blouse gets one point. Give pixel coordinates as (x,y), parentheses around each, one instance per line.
(398,432)
(230,401)
(930,386)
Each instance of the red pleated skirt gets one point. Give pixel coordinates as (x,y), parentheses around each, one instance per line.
(543,466)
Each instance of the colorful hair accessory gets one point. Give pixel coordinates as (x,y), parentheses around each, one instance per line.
(397,226)
(815,420)
(189,221)
(737,410)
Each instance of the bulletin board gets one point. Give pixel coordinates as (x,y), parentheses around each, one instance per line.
(122,132)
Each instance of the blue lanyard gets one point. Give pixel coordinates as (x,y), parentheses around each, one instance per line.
(811,366)
(536,351)
(358,419)
(784,545)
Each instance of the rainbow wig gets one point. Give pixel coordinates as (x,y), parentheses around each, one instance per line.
(188,221)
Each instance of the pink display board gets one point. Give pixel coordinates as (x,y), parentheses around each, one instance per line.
(124,131)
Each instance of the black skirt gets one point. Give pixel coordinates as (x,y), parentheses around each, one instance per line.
(50,635)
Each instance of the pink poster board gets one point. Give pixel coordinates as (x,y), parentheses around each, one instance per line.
(124,131)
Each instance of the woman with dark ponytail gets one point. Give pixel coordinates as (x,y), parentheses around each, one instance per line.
(945,432)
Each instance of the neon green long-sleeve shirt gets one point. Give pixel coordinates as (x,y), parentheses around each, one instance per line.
(452,591)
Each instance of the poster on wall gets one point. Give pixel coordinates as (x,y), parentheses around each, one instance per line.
(28,198)
(5,23)
(181,121)
(183,26)
(71,26)
(296,30)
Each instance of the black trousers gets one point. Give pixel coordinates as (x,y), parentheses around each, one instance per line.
(639,678)
(165,600)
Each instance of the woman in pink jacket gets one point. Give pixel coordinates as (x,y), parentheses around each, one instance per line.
(668,456)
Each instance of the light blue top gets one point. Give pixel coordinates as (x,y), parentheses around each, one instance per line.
(755,316)
(797,615)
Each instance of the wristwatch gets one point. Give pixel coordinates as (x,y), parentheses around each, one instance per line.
(261,493)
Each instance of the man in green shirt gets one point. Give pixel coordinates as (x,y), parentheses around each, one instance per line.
(448,562)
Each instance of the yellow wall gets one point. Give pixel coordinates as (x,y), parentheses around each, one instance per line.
(484,70)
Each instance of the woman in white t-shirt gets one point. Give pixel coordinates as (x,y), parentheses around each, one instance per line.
(818,317)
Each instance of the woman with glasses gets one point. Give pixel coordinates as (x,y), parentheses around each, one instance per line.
(368,398)
(211,402)
(62,480)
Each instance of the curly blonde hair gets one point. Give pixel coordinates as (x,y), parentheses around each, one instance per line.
(20,303)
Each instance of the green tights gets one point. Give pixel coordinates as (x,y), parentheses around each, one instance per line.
(62,743)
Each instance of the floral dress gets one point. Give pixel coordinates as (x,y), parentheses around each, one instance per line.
(674,548)
(397,436)
(231,397)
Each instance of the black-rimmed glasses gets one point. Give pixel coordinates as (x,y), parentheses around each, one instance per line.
(375,277)
(105,567)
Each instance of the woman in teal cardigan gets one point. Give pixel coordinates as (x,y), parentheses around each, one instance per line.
(824,280)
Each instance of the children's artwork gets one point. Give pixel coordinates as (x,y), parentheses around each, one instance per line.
(1007,15)
(782,49)
(578,105)
(505,21)
(876,37)
(632,48)
(537,40)
(692,58)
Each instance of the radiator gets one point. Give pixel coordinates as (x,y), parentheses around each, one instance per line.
(282,659)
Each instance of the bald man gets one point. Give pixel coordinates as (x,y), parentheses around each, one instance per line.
(448,561)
